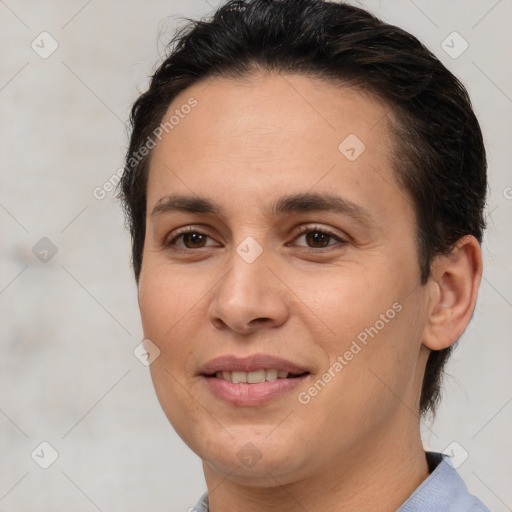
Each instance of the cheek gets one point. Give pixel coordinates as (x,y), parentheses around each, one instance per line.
(165,298)
(171,312)
(347,301)
(375,325)
(170,308)
(378,371)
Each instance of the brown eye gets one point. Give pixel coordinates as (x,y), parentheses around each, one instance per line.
(194,240)
(317,239)
(189,239)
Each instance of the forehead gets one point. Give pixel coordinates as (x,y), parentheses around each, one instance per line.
(272,132)
(272,109)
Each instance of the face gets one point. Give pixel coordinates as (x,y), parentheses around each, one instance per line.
(280,251)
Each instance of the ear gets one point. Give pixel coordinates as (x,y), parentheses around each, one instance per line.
(454,282)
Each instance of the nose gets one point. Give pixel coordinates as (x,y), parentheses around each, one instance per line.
(250,297)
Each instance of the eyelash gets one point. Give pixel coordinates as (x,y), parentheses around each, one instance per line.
(301,231)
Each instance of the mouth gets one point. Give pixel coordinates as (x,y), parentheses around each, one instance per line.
(255,377)
(253,380)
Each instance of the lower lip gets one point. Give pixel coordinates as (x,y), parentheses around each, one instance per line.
(252,394)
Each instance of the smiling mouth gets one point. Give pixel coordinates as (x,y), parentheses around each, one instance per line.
(255,377)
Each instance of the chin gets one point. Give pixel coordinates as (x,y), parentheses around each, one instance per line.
(271,470)
(250,456)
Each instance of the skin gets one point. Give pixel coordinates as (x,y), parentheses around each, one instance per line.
(356,444)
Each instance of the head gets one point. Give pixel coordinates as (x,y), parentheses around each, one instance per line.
(297,98)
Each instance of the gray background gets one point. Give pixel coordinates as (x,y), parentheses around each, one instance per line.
(69,325)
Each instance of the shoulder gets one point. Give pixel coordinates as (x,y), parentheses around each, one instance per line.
(201,505)
(443,490)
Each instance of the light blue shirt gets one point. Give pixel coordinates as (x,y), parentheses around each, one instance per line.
(444,490)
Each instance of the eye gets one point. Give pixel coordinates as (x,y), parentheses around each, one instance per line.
(318,237)
(190,237)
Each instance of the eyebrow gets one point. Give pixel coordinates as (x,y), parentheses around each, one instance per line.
(295,203)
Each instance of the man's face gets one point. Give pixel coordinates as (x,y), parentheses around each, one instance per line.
(340,305)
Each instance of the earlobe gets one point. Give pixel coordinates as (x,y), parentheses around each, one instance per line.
(454,284)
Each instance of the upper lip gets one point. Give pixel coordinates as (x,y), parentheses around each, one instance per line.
(231,363)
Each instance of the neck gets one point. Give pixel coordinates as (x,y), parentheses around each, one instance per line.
(379,474)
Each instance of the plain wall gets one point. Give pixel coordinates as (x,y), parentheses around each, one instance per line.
(69,325)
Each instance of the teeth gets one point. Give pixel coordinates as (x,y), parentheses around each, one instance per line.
(255,377)
(238,377)
(271,374)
